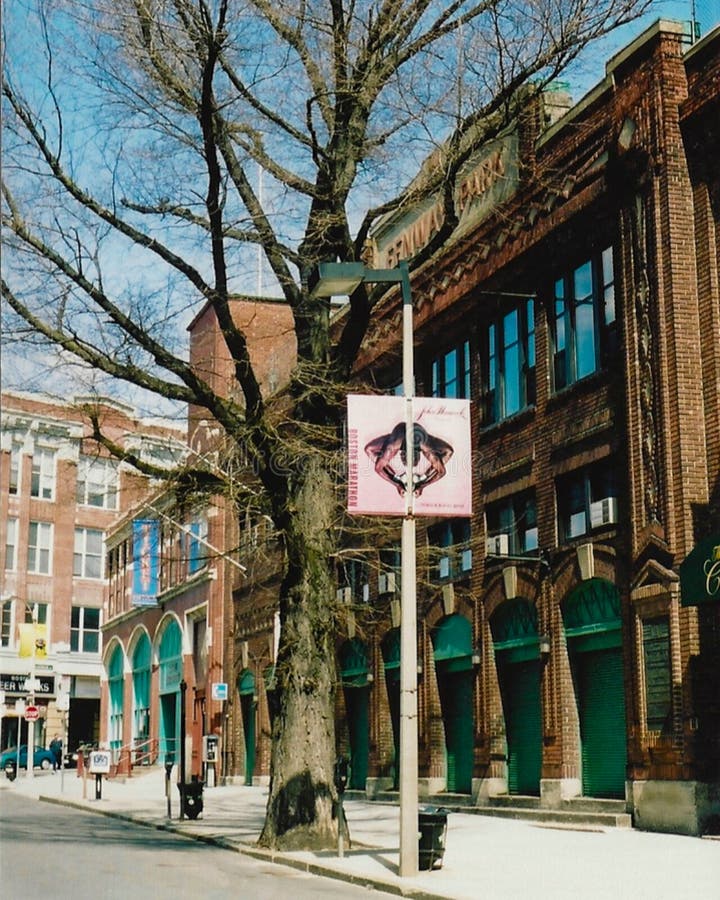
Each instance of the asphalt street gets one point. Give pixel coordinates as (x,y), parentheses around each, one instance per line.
(50,851)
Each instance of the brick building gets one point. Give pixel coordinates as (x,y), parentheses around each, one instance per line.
(569,633)
(178,638)
(60,493)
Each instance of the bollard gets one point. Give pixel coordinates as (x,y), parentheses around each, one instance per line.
(98,786)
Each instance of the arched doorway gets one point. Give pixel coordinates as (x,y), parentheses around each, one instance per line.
(170,675)
(452,645)
(115,701)
(517,659)
(248,706)
(354,669)
(591,615)
(390,649)
(141,659)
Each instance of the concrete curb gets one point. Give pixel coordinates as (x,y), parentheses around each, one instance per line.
(272,856)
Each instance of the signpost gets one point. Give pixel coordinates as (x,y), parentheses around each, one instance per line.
(99,766)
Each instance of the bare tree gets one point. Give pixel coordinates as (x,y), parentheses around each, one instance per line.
(134,135)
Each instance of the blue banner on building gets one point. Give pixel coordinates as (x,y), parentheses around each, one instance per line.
(146,557)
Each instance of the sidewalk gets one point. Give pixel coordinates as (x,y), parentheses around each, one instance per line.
(496,859)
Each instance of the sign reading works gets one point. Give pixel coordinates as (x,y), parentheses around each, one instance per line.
(700,573)
(381,473)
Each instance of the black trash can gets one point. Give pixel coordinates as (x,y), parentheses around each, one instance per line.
(432,828)
(192,798)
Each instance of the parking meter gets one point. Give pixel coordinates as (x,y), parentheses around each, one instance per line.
(341,774)
(341,779)
(169,763)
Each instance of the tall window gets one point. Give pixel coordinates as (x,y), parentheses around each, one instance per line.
(450,555)
(512,525)
(197,546)
(97,482)
(15,449)
(509,362)
(42,482)
(85,629)
(353,573)
(587,499)
(584,330)
(88,557)
(390,570)
(450,373)
(11,544)
(39,557)
(37,612)
(5,622)
(657,668)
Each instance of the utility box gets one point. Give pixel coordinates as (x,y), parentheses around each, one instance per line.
(210,748)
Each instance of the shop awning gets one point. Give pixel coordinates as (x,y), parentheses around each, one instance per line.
(700,573)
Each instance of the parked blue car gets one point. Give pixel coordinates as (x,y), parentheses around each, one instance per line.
(42,759)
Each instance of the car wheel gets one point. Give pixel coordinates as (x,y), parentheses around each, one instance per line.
(45,764)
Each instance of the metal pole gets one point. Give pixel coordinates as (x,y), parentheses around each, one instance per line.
(183,688)
(31,722)
(408,615)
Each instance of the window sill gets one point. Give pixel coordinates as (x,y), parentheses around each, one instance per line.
(517,420)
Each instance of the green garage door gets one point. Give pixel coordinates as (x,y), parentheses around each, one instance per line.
(358,719)
(591,614)
(353,658)
(452,649)
(456,701)
(602,722)
(520,688)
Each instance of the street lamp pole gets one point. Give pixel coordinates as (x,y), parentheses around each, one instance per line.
(336,279)
(408,616)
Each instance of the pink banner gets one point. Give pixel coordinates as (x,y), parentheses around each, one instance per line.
(439,474)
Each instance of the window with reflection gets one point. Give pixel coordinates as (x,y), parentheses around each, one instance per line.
(512,525)
(450,550)
(508,361)
(584,320)
(587,499)
(450,373)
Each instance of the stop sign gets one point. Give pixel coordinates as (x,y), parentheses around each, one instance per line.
(32,713)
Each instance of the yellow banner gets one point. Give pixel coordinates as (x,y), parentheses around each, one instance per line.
(33,640)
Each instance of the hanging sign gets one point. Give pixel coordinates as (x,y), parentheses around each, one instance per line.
(146,545)
(700,573)
(381,473)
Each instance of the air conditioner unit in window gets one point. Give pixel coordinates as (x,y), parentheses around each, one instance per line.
(344,595)
(498,545)
(386,583)
(466,560)
(444,568)
(603,512)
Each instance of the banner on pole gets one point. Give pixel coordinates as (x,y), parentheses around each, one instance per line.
(146,547)
(380,472)
(33,640)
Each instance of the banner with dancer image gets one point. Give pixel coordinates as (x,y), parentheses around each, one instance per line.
(380,473)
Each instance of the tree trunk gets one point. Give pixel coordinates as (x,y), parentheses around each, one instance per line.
(301,812)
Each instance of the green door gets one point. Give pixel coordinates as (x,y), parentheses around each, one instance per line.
(602,722)
(248,707)
(357,704)
(456,689)
(520,689)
